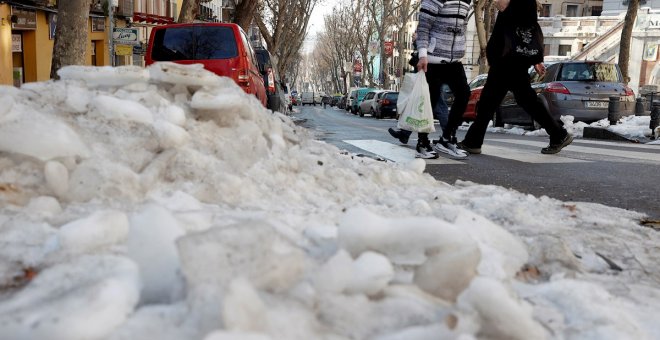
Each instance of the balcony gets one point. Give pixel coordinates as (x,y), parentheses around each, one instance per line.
(125,8)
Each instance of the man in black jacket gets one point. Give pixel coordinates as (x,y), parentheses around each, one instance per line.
(515,44)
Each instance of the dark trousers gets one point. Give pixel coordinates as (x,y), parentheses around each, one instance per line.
(453,75)
(512,77)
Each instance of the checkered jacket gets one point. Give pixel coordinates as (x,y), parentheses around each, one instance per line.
(441,30)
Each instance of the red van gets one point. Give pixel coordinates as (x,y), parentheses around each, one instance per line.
(222,48)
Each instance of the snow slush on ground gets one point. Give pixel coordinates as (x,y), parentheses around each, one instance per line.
(165,203)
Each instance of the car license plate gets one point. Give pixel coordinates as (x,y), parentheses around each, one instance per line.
(598,105)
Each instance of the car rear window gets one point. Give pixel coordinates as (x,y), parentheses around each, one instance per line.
(392,96)
(194,43)
(589,72)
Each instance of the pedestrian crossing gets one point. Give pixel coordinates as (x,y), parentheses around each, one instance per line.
(526,151)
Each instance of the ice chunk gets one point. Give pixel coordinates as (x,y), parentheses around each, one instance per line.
(242,308)
(151,243)
(105,76)
(336,274)
(449,271)
(170,135)
(83,299)
(187,75)
(44,205)
(57,177)
(251,249)
(40,136)
(224,335)
(113,108)
(498,310)
(100,229)
(371,273)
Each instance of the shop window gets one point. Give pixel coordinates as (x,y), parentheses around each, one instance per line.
(596,11)
(564,50)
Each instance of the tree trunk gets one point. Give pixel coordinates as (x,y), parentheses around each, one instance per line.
(479,8)
(70,41)
(245,10)
(189,11)
(626,37)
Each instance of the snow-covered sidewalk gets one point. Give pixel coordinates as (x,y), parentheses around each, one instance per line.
(165,203)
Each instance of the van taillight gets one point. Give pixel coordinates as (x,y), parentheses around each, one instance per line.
(243,78)
(385,102)
(271,81)
(628,91)
(556,87)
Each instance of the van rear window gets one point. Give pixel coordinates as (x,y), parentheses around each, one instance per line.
(194,43)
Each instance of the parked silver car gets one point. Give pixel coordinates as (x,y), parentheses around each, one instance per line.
(577,88)
(368,104)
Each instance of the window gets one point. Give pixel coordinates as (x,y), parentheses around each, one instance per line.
(596,11)
(545,11)
(546,49)
(571,10)
(194,43)
(589,72)
(564,50)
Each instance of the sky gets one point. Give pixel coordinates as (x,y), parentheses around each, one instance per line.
(165,203)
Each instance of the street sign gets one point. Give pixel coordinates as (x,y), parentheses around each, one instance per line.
(389,47)
(125,36)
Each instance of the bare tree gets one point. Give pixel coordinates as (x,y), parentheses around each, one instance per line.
(283,24)
(482,8)
(189,10)
(70,41)
(626,36)
(406,10)
(244,13)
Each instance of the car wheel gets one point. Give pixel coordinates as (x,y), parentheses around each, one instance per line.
(361,113)
(375,114)
(497,119)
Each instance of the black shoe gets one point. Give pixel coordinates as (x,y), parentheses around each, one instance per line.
(403,138)
(556,147)
(424,150)
(474,151)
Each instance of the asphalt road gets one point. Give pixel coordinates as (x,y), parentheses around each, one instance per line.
(618,174)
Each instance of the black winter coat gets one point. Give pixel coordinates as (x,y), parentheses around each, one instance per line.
(519,14)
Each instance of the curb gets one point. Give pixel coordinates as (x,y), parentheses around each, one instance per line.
(604,133)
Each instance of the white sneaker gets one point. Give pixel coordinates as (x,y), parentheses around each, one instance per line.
(425,151)
(444,146)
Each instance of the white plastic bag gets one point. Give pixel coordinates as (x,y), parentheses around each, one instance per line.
(414,104)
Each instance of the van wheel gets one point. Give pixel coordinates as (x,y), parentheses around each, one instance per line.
(361,113)
(375,114)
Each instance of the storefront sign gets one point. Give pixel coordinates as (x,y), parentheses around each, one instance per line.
(123,50)
(23,19)
(16,43)
(138,49)
(125,36)
(98,24)
(647,21)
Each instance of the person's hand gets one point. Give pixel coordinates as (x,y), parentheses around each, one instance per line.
(540,69)
(422,64)
(501,5)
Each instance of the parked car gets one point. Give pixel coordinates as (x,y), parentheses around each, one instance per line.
(577,88)
(308,98)
(368,104)
(352,96)
(342,102)
(476,86)
(221,48)
(275,89)
(386,105)
(357,97)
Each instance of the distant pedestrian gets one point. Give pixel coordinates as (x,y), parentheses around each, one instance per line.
(441,45)
(515,44)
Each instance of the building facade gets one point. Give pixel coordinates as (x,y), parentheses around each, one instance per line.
(27,33)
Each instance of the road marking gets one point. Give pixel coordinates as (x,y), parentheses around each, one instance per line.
(395,153)
(620,144)
(647,156)
(526,156)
